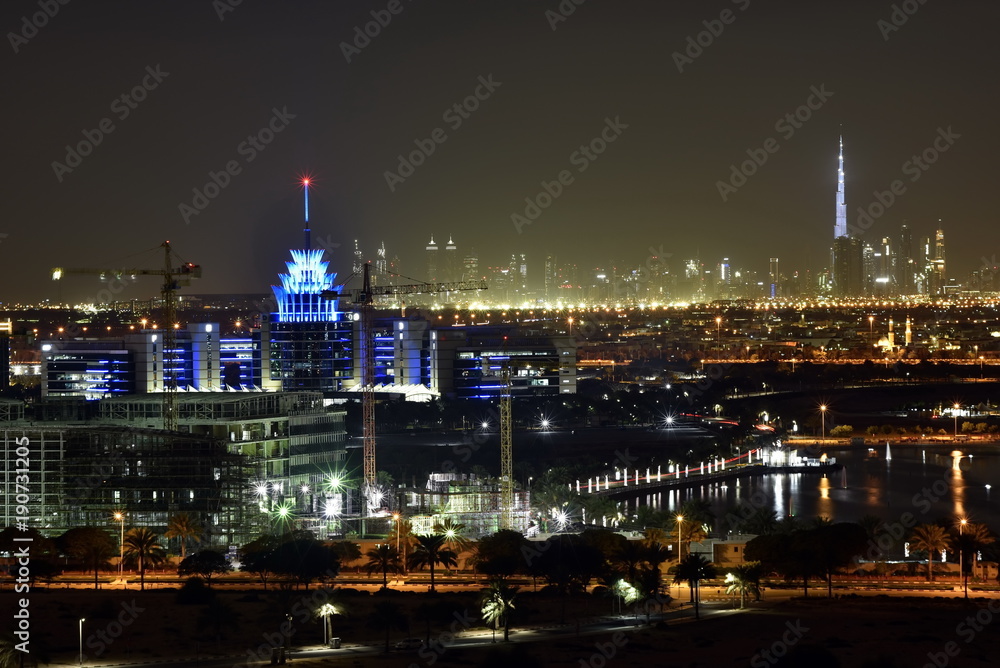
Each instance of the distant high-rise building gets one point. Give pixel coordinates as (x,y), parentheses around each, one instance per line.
(938,279)
(452,266)
(470,266)
(772,288)
(847,259)
(358,265)
(848,267)
(432,261)
(905,262)
(840,227)
(381,266)
(551,276)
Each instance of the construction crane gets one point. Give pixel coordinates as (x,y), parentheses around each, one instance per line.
(506,447)
(364,300)
(174,276)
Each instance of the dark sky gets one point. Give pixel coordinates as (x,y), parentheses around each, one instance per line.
(654,187)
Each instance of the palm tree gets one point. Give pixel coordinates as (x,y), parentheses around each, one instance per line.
(693,569)
(11,656)
(933,539)
(142,544)
(497,602)
(430,551)
(92,546)
(383,558)
(185,527)
(744,579)
(386,615)
(978,536)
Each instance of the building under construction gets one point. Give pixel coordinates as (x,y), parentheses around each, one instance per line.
(464,499)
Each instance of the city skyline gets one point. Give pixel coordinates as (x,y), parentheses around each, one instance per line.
(636,146)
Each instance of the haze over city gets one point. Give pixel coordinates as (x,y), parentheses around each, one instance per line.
(347,113)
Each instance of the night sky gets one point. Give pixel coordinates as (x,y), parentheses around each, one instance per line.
(655,186)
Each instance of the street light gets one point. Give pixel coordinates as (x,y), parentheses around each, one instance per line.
(955,413)
(120,517)
(680,524)
(961,556)
(325,611)
(718,332)
(822,412)
(871,331)
(82,620)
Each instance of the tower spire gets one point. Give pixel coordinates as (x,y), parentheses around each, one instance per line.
(306,231)
(840,228)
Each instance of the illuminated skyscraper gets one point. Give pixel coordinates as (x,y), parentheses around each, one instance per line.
(847,259)
(840,227)
(432,261)
(309,340)
(451,263)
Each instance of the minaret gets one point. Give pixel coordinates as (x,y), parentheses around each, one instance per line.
(840,228)
(892,336)
(306,231)
(909,333)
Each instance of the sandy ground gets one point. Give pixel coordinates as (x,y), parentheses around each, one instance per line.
(143,626)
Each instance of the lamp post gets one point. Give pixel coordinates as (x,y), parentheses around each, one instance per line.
(718,332)
(955,414)
(961,556)
(82,620)
(871,331)
(325,611)
(822,412)
(120,517)
(680,526)
(680,521)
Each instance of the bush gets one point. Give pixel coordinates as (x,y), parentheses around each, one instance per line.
(194,592)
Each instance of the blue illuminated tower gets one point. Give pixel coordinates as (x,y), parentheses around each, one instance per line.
(308,232)
(309,341)
(840,228)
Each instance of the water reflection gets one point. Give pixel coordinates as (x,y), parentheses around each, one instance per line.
(866,488)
